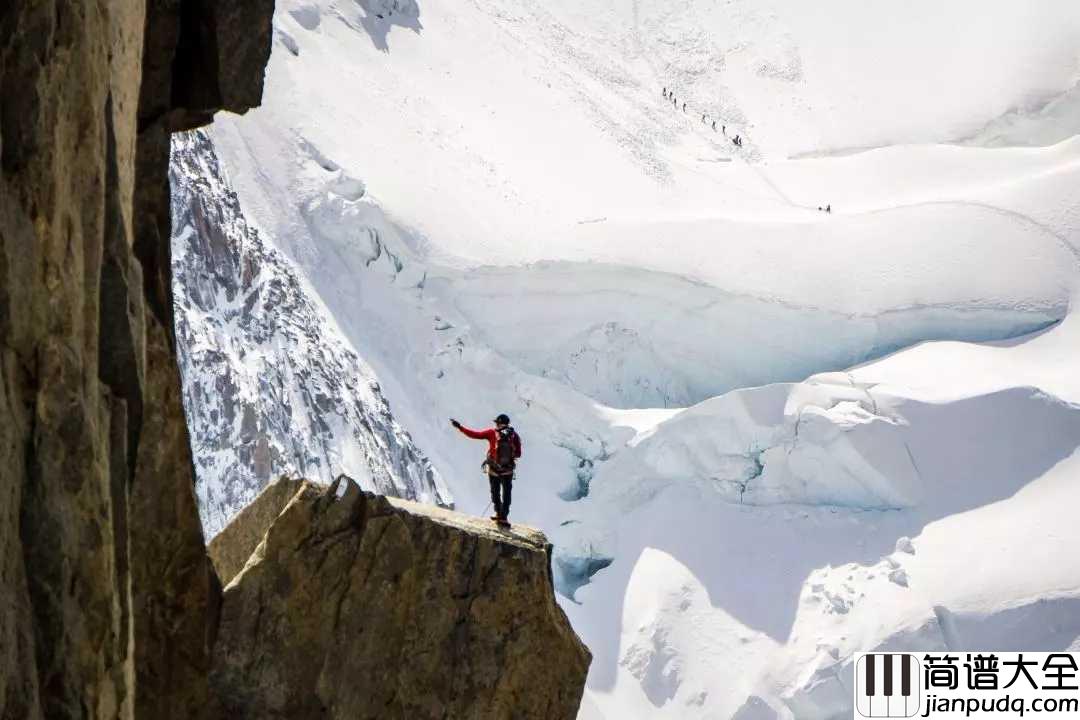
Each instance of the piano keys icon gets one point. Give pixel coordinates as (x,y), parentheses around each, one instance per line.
(887,685)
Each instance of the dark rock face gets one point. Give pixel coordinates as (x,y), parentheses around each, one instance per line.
(107,599)
(175,590)
(357,606)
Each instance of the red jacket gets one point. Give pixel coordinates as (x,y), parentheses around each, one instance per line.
(492,436)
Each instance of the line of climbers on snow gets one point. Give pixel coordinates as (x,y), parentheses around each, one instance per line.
(736,140)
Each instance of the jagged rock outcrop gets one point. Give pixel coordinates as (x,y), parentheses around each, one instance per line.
(107,599)
(355,605)
(232,547)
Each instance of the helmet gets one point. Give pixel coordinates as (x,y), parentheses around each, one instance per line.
(502,419)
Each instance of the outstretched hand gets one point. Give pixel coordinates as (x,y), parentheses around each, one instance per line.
(455,423)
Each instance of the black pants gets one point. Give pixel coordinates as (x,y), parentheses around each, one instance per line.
(501,486)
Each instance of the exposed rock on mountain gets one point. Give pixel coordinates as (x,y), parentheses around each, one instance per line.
(233,546)
(271,386)
(355,605)
(107,596)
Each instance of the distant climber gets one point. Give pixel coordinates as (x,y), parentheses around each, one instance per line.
(703,117)
(737,140)
(828,208)
(684,106)
(724,129)
(714,126)
(504,449)
(665,92)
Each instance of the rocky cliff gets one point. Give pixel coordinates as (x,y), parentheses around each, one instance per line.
(107,596)
(354,605)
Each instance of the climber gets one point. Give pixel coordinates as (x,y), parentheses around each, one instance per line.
(665,92)
(714,126)
(504,449)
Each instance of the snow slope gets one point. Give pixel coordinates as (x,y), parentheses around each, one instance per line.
(499,211)
(922,501)
(493,179)
(519,120)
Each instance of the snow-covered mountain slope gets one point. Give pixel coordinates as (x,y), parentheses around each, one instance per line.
(517,154)
(921,501)
(520,120)
(498,209)
(270,386)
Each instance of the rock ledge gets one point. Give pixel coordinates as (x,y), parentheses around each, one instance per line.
(354,605)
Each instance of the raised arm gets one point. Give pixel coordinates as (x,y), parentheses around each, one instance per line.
(469,432)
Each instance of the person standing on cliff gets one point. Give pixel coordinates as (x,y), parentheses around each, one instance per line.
(504,450)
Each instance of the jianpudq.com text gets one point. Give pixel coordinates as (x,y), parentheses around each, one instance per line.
(1016,706)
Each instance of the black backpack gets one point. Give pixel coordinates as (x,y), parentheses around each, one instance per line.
(504,451)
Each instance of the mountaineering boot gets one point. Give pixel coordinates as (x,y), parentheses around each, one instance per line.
(496,518)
